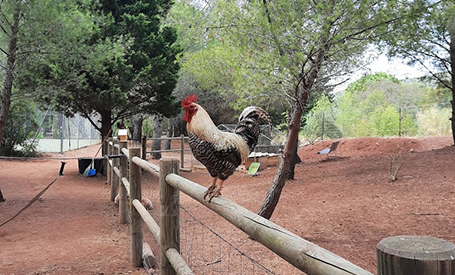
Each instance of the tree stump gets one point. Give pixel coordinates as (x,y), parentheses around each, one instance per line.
(415,255)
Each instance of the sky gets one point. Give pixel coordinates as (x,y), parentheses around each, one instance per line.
(380,63)
(395,67)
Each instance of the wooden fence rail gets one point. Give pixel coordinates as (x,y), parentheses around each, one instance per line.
(301,253)
(182,148)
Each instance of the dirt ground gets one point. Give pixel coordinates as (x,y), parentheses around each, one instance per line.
(345,204)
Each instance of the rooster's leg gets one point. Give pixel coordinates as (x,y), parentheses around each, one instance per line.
(217,191)
(211,188)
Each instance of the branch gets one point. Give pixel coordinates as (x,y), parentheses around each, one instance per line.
(269,19)
(4,17)
(429,70)
(4,30)
(86,115)
(2,50)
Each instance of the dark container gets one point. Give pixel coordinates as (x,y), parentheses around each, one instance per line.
(83,163)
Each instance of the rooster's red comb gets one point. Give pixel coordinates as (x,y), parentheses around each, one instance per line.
(188,100)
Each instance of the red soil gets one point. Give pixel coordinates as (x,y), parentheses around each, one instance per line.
(345,204)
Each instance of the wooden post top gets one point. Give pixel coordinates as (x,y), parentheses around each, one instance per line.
(418,247)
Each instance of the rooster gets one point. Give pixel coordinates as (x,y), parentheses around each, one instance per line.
(221,152)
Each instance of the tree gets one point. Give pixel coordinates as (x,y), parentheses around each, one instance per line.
(289,51)
(216,65)
(25,31)
(19,131)
(10,28)
(428,34)
(317,38)
(123,64)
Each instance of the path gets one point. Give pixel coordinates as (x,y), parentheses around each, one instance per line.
(72,229)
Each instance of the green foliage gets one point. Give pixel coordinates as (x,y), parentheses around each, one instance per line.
(20,127)
(364,82)
(380,108)
(320,122)
(434,122)
(111,58)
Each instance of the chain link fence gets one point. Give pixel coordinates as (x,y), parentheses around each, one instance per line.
(388,122)
(58,133)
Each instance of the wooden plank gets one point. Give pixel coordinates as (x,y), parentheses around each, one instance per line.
(126,152)
(147,166)
(301,253)
(177,262)
(123,191)
(169,216)
(117,173)
(114,176)
(126,183)
(148,258)
(148,220)
(135,217)
(108,166)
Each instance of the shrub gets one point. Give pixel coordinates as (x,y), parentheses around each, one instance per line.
(18,138)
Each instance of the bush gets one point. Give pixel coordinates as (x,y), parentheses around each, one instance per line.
(434,122)
(18,137)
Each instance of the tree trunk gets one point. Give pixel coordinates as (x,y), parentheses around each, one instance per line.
(105,127)
(274,193)
(137,127)
(157,130)
(167,143)
(9,74)
(295,159)
(302,92)
(452,67)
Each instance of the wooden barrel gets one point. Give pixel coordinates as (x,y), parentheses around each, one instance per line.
(415,255)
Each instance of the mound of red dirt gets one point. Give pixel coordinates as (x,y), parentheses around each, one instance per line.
(367,147)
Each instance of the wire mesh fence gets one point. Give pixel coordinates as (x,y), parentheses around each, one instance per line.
(202,244)
(58,133)
(388,122)
(207,252)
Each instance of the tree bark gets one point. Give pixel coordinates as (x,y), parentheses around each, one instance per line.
(302,92)
(9,75)
(274,193)
(105,127)
(295,159)
(452,67)
(137,127)
(157,130)
(167,143)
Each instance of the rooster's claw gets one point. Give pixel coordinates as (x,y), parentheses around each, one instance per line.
(212,192)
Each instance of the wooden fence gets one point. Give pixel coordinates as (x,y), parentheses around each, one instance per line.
(143,144)
(301,253)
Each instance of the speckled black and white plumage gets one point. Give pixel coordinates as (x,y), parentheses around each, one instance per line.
(221,152)
(221,161)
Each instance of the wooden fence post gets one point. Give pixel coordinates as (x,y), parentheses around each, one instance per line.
(114,180)
(144,147)
(108,166)
(416,255)
(135,217)
(123,207)
(182,152)
(170,212)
